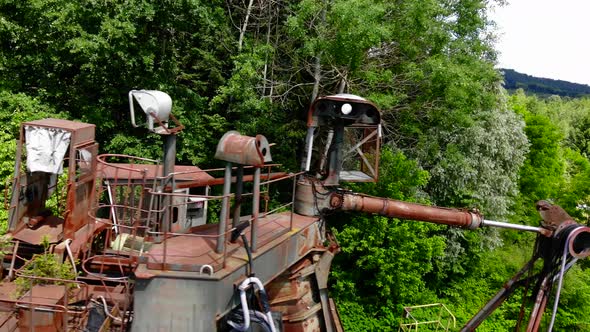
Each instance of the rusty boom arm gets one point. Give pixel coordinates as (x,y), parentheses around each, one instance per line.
(312,198)
(412,211)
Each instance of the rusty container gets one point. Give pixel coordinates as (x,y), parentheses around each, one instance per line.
(244,150)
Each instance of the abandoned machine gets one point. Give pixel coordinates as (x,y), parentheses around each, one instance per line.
(154,246)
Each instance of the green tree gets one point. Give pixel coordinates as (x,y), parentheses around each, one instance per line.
(83,58)
(395,254)
(542,175)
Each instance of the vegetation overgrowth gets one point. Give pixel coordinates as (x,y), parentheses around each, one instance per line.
(545,87)
(452,134)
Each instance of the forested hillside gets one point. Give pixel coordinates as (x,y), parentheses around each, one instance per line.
(542,86)
(452,134)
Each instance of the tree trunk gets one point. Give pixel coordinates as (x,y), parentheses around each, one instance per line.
(245,25)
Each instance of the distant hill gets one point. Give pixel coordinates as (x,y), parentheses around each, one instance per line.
(542,86)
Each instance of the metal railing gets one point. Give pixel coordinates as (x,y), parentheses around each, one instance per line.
(135,200)
(420,318)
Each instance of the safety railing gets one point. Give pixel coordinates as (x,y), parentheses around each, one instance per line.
(155,220)
(427,317)
(49,302)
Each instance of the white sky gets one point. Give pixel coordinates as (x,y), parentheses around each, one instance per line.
(545,38)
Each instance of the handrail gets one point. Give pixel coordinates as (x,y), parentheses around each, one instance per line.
(145,222)
(413,326)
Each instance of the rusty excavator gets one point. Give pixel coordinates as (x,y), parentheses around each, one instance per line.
(156,246)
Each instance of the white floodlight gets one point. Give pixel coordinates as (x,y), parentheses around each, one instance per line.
(346,109)
(157,105)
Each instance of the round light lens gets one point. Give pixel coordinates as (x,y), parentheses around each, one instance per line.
(346,109)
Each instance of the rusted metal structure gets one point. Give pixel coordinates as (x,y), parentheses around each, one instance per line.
(47,143)
(154,249)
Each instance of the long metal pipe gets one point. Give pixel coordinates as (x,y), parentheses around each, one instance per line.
(169,154)
(540,230)
(255,210)
(169,162)
(238,196)
(223,215)
(218,181)
(412,211)
(308,148)
(508,288)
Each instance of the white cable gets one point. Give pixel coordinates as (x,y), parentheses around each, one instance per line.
(113,211)
(267,316)
(245,312)
(106,311)
(71,256)
(559,283)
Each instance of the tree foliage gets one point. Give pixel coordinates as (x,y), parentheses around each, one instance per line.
(396,254)
(85,57)
(543,86)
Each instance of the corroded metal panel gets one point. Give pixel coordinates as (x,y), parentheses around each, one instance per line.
(51,228)
(29,217)
(188,301)
(81,132)
(48,311)
(178,304)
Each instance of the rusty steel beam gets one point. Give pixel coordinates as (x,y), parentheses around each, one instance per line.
(507,290)
(403,210)
(218,181)
(539,306)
